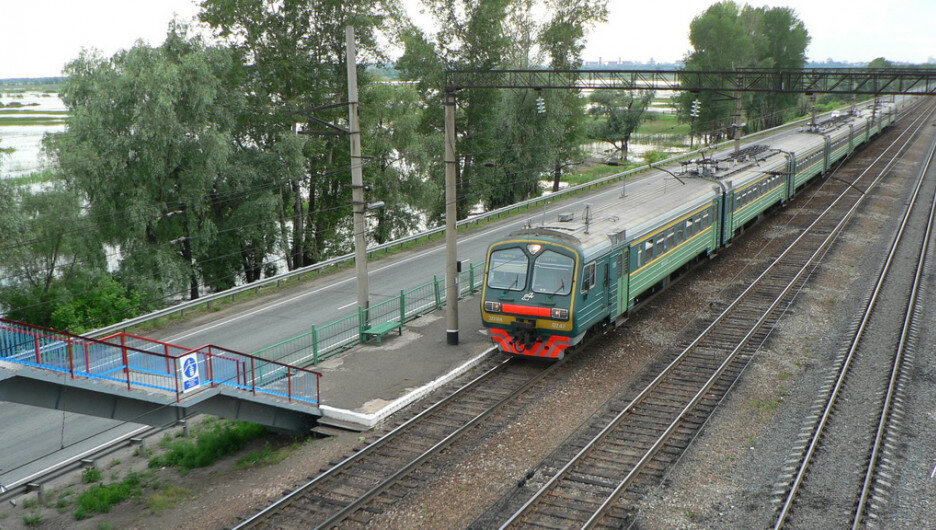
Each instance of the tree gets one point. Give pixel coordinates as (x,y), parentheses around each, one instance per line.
(294,54)
(880,62)
(563,39)
(504,145)
(390,118)
(617,115)
(720,41)
(780,41)
(53,269)
(725,37)
(148,136)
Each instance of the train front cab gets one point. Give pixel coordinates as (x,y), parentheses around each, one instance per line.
(528,298)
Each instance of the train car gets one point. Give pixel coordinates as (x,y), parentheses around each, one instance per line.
(546,287)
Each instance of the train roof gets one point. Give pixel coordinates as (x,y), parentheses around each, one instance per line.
(655,198)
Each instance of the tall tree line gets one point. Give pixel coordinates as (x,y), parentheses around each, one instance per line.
(726,36)
(199,163)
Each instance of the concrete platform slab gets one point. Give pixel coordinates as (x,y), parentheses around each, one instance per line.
(368,383)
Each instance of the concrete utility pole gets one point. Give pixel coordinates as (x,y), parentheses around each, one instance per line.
(739,111)
(357,177)
(451,232)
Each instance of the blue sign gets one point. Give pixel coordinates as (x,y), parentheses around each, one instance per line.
(188,365)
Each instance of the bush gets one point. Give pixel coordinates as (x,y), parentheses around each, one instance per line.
(100,498)
(92,474)
(219,440)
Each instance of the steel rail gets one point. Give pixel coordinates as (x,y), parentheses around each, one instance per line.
(833,396)
(909,318)
(376,490)
(386,439)
(380,442)
(660,377)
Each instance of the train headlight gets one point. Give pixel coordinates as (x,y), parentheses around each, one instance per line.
(559,314)
(492,307)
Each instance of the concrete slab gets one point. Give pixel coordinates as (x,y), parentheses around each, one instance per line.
(368,383)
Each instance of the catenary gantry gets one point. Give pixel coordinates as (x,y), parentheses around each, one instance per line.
(909,81)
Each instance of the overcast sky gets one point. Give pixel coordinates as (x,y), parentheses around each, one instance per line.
(37,37)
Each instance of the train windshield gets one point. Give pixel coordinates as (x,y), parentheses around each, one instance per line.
(508,269)
(552,273)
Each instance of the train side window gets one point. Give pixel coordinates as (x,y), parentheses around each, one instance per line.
(588,280)
(648,255)
(670,235)
(680,232)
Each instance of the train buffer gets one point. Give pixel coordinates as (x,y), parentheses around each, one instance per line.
(132,378)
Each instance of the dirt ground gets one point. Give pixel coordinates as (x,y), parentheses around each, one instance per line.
(211,497)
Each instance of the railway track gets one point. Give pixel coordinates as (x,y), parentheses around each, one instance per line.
(866,368)
(348,489)
(633,445)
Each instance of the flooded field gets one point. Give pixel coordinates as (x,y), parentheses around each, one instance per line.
(25,117)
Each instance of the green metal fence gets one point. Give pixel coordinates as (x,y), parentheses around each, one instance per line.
(326,340)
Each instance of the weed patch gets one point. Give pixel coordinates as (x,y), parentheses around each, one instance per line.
(214,442)
(92,474)
(165,498)
(266,456)
(100,498)
(32,520)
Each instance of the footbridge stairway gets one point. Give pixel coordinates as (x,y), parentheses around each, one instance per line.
(131,378)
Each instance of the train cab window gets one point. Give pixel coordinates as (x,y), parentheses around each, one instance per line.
(589,278)
(508,269)
(552,273)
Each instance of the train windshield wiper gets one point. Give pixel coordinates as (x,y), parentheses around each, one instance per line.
(561,287)
(516,280)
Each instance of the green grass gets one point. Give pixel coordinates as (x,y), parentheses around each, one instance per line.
(92,474)
(31,120)
(101,497)
(214,442)
(33,519)
(590,173)
(659,123)
(6,111)
(266,456)
(166,498)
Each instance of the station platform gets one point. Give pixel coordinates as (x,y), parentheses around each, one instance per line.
(367,383)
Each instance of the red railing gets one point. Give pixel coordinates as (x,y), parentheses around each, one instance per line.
(154,364)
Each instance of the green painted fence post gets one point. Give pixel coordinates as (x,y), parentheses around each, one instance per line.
(438,295)
(315,347)
(471,287)
(402,307)
(361,324)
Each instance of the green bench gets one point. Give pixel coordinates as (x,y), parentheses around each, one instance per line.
(379,330)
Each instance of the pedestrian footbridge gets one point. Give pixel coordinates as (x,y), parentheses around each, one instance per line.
(131,378)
